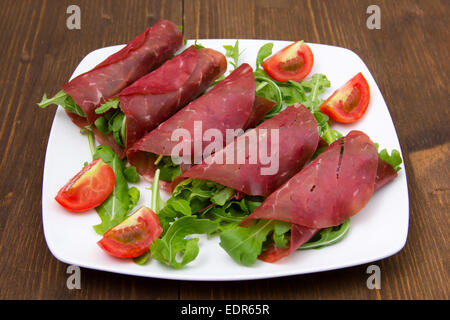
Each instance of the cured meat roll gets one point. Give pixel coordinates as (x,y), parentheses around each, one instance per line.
(157,96)
(143,54)
(331,189)
(229,105)
(297,138)
(327,192)
(154,98)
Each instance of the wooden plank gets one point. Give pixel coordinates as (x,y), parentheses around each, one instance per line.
(39,54)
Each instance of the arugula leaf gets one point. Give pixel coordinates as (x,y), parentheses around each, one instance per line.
(108,105)
(394,159)
(174,242)
(71,106)
(115,123)
(328,134)
(58,99)
(157,203)
(327,236)
(316,86)
(134,195)
(196,192)
(223,196)
(281,228)
(264,52)
(231,214)
(180,206)
(131,174)
(102,125)
(268,88)
(121,200)
(190,197)
(227,216)
(64,100)
(324,238)
(173,208)
(198,45)
(218,80)
(245,244)
(292,95)
(91,139)
(169,170)
(233,53)
(142,259)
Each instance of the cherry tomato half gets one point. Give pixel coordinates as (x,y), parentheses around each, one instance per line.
(348,103)
(89,188)
(294,62)
(133,236)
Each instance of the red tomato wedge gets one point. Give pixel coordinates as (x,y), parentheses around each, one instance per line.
(133,236)
(294,62)
(89,188)
(348,103)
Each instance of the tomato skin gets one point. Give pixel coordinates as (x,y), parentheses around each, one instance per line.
(293,62)
(349,103)
(133,236)
(88,188)
(273,253)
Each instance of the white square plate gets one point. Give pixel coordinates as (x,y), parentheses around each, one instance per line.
(378,231)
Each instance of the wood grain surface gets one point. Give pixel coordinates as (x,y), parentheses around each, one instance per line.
(408,58)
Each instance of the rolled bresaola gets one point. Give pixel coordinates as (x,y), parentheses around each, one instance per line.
(298,138)
(332,188)
(157,96)
(227,106)
(143,54)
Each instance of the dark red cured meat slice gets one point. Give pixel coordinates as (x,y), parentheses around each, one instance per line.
(299,235)
(227,106)
(157,96)
(191,72)
(331,189)
(261,107)
(142,55)
(145,162)
(298,139)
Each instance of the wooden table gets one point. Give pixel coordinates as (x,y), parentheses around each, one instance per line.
(408,58)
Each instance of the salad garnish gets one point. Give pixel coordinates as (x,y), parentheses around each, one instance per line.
(64,100)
